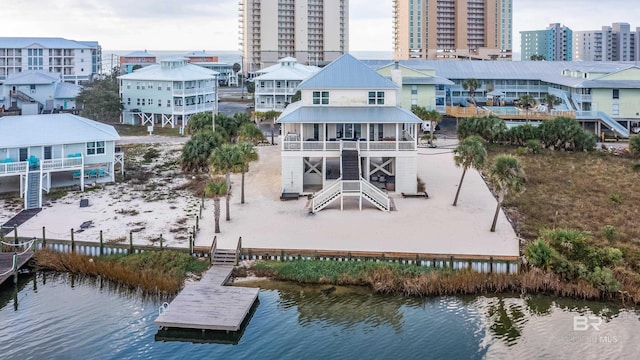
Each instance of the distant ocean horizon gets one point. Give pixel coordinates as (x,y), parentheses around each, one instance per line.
(110,58)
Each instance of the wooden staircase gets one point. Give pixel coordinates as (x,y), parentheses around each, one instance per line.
(224,257)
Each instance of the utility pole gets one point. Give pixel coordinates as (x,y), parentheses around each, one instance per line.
(242,76)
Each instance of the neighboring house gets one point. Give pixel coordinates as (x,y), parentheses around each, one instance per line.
(276,85)
(54,150)
(348,138)
(226,76)
(419,88)
(36,91)
(135,60)
(75,61)
(168,93)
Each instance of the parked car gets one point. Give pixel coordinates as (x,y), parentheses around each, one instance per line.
(609,135)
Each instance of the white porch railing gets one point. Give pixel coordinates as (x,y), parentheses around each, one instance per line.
(325,196)
(348,145)
(13,168)
(62,163)
(376,196)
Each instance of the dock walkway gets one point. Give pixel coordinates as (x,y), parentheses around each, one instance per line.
(208,304)
(6,263)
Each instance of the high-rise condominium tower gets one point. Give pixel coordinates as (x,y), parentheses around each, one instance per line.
(314,32)
(452,29)
(553,44)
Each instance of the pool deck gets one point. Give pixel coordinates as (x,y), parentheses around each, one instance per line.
(419,225)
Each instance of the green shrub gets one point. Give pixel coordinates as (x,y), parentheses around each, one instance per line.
(609,232)
(534,146)
(540,254)
(490,128)
(615,198)
(150,154)
(605,257)
(568,242)
(634,144)
(603,279)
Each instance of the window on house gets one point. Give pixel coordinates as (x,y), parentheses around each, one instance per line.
(159,102)
(168,103)
(138,102)
(616,93)
(47,152)
(95,148)
(128,101)
(143,102)
(376,97)
(23,154)
(615,110)
(320,97)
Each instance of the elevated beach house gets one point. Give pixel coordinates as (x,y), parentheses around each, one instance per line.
(347,137)
(40,152)
(37,91)
(277,84)
(168,93)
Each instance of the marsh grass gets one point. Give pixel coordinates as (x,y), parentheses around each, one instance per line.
(412,280)
(154,272)
(583,191)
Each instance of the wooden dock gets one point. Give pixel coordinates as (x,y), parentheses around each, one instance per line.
(209,305)
(6,262)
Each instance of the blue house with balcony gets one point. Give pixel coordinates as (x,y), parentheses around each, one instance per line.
(41,152)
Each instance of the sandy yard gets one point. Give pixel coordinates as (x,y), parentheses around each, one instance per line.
(154,207)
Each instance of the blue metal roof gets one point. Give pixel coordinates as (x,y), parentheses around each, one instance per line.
(52,129)
(45,42)
(296,113)
(347,72)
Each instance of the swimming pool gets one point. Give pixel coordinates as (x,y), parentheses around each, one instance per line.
(503,110)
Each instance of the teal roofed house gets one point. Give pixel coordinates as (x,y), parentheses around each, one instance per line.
(347,140)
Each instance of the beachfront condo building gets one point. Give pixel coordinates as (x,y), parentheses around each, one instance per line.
(168,93)
(613,43)
(555,43)
(226,76)
(347,141)
(76,61)
(277,84)
(452,29)
(314,32)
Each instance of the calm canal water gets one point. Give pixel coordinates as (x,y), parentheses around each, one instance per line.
(51,316)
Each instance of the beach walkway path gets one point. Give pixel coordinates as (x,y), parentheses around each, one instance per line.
(208,304)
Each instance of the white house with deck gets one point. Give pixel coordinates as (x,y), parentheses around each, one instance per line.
(38,91)
(168,93)
(40,152)
(347,137)
(276,85)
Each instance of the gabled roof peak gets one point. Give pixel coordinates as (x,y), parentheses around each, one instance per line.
(347,72)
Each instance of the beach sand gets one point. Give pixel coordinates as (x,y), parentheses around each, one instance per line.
(154,207)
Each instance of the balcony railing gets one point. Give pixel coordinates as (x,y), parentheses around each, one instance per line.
(13,167)
(62,163)
(363,145)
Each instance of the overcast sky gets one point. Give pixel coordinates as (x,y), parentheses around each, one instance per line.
(213,24)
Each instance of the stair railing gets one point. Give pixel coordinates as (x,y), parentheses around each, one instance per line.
(325,194)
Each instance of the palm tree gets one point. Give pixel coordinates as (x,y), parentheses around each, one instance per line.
(526,101)
(472,85)
(223,160)
(551,100)
(469,153)
(216,188)
(507,177)
(433,116)
(273,115)
(250,133)
(249,154)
